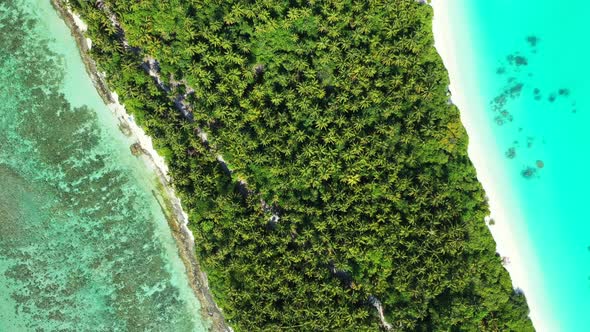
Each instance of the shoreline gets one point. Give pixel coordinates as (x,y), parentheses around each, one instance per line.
(171,205)
(506,239)
(511,240)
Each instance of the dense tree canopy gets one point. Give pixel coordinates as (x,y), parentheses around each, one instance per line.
(334,169)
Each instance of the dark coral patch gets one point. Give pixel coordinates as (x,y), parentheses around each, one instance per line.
(516,89)
(564,92)
(528,172)
(520,60)
(532,40)
(511,153)
(500,100)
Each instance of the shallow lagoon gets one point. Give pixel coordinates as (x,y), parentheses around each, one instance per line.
(524,77)
(84,243)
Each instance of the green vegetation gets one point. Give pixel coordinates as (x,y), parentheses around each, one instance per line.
(333,116)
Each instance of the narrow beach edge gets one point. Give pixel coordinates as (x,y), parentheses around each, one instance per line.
(509,242)
(177,218)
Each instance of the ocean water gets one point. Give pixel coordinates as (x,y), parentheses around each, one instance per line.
(522,70)
(84,243)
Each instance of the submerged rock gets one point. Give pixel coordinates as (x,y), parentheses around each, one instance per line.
(136,149)
(124,128)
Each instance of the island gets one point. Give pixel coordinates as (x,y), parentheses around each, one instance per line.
(315,149)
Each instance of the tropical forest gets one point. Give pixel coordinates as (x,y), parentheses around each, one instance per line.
(317,153)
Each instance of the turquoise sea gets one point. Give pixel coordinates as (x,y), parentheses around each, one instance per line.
(84,243)
(521,78)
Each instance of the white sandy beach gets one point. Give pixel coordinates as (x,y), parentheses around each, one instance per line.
(509,229)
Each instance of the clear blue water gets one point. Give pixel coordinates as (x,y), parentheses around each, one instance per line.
(531,88)
(84,242)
